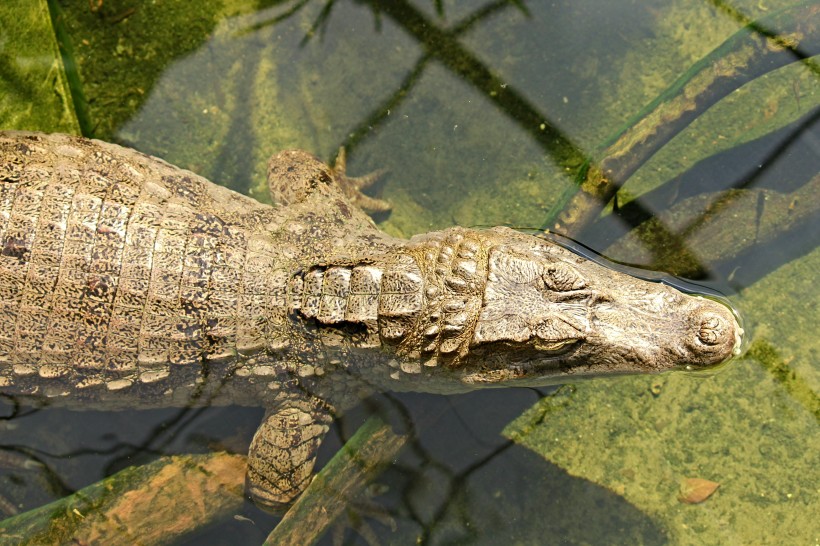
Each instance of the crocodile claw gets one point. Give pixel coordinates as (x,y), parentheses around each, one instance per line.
(353,186)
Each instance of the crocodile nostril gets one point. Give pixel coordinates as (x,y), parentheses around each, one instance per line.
(711,329)
(714,333)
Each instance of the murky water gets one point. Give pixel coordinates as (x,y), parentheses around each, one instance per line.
(423,90)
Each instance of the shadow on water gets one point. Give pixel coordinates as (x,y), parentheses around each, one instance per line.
(458,481)
(779,163)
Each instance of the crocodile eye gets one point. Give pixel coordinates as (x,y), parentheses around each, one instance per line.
(561,277)
(557,335)
(557,328)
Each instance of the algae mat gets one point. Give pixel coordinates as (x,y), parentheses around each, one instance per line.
(34,91)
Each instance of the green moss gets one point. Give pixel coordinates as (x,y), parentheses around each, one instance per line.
(34,92)
(751,426)
(117,65)
(540,413)
(776,100)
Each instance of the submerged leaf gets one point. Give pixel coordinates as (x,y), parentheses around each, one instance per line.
(695,490)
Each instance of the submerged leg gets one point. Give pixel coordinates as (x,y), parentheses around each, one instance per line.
(282,454)
(294,176)
(353,186)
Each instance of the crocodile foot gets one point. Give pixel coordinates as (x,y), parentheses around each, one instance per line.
(295,177)
(283,452)
(353,186)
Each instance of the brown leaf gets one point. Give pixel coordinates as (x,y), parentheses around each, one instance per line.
(695,490)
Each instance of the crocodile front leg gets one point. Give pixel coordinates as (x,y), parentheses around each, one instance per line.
(295,176)
(283,452)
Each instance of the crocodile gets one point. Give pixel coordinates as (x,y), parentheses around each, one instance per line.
(126,282)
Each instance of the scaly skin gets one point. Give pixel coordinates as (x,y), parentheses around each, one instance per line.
(127,282)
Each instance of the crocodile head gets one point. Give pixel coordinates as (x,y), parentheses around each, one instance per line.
(502,307)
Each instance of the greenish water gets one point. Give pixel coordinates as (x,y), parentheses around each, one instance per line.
(218,87)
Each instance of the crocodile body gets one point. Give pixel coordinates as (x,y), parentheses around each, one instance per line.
(126,282)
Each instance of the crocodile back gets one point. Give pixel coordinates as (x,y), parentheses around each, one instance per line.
(117,268)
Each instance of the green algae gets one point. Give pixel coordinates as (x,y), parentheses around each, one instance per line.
(137,505)
(798,386)
(780,97)
(222,110)
(687,33)
(751,426)
(121,49)
(34,90)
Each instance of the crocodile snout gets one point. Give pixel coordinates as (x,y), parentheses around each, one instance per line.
(715,333)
